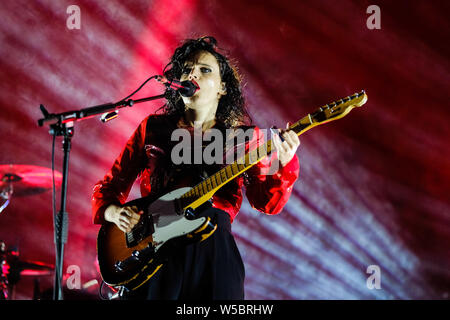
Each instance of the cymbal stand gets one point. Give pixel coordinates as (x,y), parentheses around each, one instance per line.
(7,191)
(4,294)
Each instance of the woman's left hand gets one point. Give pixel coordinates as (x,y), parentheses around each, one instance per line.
(286,149)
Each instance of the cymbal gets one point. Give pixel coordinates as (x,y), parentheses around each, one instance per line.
(14,267)
(34,268)
(27,179)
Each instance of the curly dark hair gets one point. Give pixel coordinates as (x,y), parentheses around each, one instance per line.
(231,110)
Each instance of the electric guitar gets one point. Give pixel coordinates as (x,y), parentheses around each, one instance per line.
(131,259)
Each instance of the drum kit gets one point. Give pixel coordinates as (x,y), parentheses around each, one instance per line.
(21,181)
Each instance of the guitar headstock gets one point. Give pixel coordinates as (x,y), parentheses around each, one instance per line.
(339,108)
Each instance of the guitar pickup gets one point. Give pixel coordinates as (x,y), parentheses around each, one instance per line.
(142,230)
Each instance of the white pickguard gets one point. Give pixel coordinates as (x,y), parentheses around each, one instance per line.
(167,223)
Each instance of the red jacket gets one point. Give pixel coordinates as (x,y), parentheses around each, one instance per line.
(146,152)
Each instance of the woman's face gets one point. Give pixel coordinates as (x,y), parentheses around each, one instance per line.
(203,68)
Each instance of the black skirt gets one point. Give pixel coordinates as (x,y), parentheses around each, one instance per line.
(208,270)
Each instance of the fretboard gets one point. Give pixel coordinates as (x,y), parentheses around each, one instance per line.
(204,190)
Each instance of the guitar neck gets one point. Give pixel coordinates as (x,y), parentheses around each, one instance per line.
(203,191)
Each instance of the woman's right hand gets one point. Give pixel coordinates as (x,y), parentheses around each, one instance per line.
(125,218)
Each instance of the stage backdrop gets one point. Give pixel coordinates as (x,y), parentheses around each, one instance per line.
(369,217)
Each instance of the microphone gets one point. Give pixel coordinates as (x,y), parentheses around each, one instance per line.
(185,88)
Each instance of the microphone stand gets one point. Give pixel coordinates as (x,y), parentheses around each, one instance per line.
(62,124)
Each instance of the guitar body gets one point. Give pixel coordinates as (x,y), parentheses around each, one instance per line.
(131,259)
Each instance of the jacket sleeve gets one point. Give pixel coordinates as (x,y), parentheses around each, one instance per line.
(117,183)
(269,187)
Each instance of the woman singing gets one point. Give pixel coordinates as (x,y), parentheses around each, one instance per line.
(213,268)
